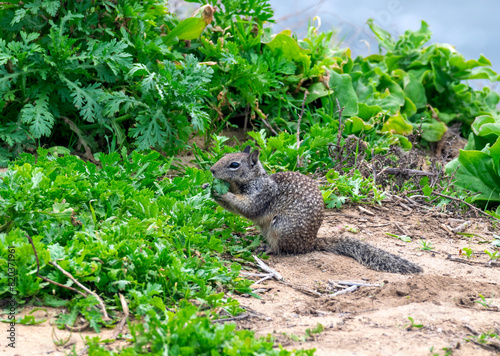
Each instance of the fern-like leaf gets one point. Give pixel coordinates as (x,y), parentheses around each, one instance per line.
(38,116)
(51,6)
(86,99)
(149,131)
(112,53)
(118,102)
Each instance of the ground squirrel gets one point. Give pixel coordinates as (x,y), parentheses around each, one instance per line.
(288,208)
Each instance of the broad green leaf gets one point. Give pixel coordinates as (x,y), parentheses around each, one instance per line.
(486,125)
(285,44)
(446,117)
(59,150)
(383,36)
(409,109)
(477,173)
(389,95)
(403,141)
(188,29)
(414,39)
(367,112)
(458,60)
(341,84)
(415,90)
(492,99)
(316,91)
(495,153)
(481,73)
(355,124)
(432,130)
(397,124)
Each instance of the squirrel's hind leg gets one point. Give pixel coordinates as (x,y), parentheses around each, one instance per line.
(286,235)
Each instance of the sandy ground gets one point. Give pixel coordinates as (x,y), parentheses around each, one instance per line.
(371,320)
(374,320)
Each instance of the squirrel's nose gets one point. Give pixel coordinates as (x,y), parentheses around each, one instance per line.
(212,170)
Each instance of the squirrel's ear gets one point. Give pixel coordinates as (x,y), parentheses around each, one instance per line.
(254,157)
(247,149)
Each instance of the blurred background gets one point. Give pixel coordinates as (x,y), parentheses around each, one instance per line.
(473,27)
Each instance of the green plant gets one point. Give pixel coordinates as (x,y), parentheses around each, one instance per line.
(404,238)
(185,333)
(486,338)
(413,324)
(71,71)
(469,253)
(479,171)
(493,255)
(426,245)
(448,351)
(353,187)
(309,334)
(485,303)
(316,330)
(28,319)
(121,227)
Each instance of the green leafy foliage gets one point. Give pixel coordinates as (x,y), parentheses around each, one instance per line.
(28,319)
(413,324)
(259,10)
(123,227)
(185,333)
(73,73)
(354,188)
(170,88)
(479,171)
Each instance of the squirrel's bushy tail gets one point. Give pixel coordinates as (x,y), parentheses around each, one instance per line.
(369,256)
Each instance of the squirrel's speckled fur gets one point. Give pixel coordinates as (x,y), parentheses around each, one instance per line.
(288,208)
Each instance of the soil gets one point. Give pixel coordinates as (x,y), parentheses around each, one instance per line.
(374,320)
(371,320)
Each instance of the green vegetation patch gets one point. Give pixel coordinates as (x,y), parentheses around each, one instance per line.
(125,226)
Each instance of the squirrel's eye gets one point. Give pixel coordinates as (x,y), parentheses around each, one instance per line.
(234,165)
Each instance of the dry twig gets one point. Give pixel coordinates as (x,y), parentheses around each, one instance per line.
(359,284)
(401,229)
(275,274)
(468,204)
(124,318)
(239,317)
(407,172)
(53,263)
(461,227)
(101,302)
(365,211)
(345,291)
(352,286)
(298,125)
(304,290)
(473,263)
(77,329)
(45,278)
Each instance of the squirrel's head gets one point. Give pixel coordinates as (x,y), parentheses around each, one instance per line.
(239,168)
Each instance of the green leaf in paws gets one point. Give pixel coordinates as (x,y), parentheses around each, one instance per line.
(220,187)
